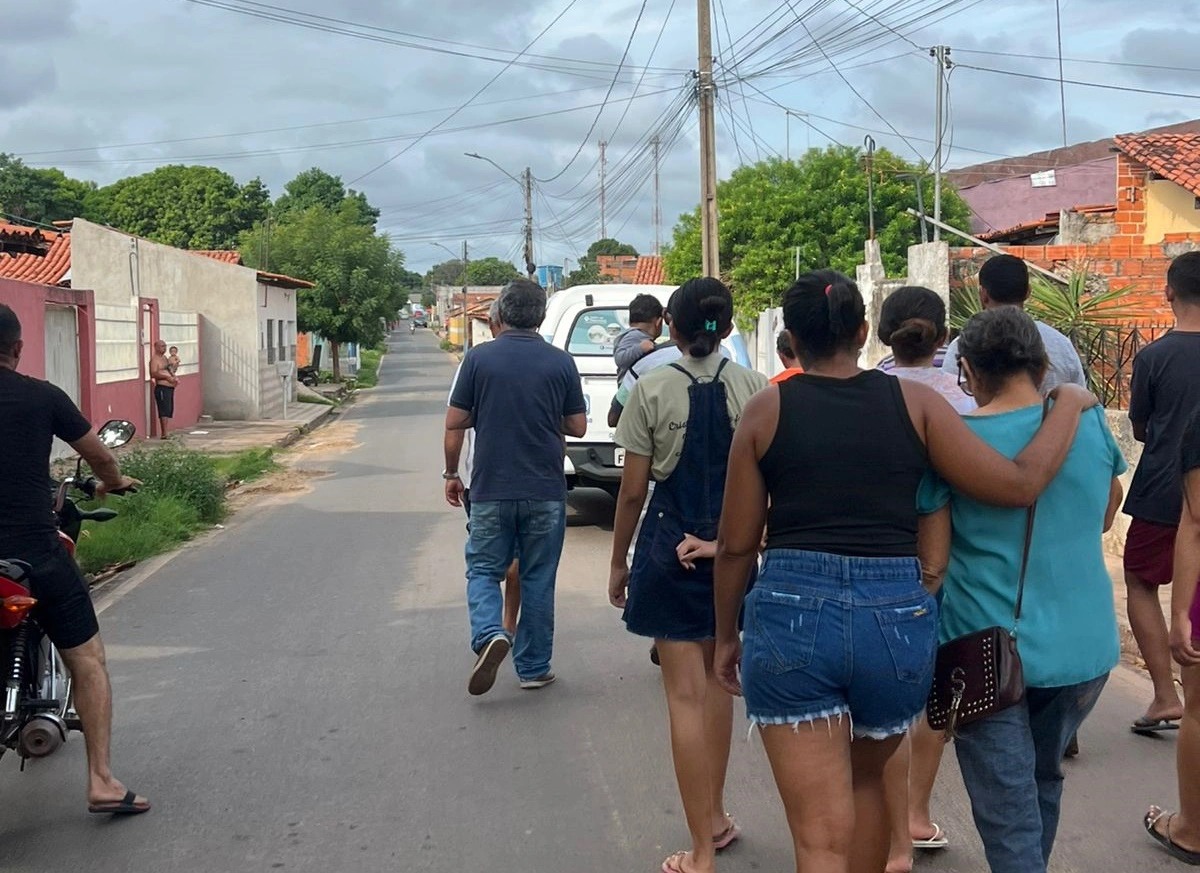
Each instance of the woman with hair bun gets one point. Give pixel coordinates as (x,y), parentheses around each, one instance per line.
(676,428)
(1011,761)
(840,635)
(912,321)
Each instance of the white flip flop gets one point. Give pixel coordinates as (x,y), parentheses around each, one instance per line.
(937,841)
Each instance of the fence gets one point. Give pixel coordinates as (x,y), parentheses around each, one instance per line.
(1108,353)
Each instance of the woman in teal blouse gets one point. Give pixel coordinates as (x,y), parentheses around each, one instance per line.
(1067,634)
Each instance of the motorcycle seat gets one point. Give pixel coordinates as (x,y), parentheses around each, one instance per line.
(16,571)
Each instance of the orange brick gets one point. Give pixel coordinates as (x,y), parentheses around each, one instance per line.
(1132,267)
(1104,268)
(1122,248)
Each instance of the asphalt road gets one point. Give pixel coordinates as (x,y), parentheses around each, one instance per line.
(291,694)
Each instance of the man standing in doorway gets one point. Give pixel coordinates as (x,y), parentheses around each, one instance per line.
(521,395)
(164,387)
(32,414)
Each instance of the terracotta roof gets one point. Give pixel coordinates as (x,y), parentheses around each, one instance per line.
(1041,226)
(51,268)
(649,270)
(220,255)
(1174,156)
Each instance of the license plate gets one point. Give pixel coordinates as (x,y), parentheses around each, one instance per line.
(618,457)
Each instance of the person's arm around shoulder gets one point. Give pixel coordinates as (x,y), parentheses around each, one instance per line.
(976,469)
(743,516)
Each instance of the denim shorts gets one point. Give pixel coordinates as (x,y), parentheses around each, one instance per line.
(828,636)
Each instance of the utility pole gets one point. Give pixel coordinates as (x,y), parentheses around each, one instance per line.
(710,259)
(466,337)
(603,173)
(656,142)
(530,264)
(941,54)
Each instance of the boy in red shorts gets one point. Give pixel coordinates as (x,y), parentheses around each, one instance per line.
(1164,391)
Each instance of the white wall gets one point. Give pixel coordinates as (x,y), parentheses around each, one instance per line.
(182,329)
(116,343)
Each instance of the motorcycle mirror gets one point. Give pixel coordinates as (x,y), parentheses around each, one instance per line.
(116,433)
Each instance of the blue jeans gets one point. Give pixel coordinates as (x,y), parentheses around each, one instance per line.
(501,529)
(1011,763)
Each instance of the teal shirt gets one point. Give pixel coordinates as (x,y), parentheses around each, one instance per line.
(1068,628)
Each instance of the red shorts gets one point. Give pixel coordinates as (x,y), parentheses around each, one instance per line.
(1150,551)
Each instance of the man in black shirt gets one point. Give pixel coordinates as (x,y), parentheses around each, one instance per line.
(32,413)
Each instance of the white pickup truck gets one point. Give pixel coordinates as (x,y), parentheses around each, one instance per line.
(585,321)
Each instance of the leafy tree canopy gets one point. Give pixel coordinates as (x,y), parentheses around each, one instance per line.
(817,203)
(445,273)
(491,271)
(357,272)
(188,207)
(588,271)
(315,187)
(40,195)
(608,246)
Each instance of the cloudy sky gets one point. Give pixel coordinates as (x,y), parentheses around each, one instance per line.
(390,94)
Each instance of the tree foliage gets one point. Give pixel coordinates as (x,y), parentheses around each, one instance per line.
(817,204)
(315,187)
(491,271)
(609,246)
(588,270)
(445,273)
(358,274)
(40,195)
(188,207)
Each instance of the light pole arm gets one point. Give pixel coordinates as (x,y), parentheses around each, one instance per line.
(497,166)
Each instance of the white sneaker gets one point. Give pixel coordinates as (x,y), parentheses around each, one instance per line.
(539,682)
(491,656)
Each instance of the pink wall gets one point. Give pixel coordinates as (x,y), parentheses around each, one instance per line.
(189,401)
(125,400)
(1005,203)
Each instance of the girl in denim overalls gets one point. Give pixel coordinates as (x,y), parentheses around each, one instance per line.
(677,427)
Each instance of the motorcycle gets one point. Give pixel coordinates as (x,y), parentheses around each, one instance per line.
(38,709)
(412,326)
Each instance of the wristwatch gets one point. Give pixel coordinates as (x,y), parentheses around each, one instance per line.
(448,475)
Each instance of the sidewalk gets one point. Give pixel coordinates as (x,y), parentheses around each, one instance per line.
(229,437)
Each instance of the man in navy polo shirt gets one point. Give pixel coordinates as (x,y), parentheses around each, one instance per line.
(521,395)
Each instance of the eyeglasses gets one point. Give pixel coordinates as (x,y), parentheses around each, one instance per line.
(963,383)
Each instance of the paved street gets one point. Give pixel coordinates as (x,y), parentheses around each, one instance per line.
(291,695)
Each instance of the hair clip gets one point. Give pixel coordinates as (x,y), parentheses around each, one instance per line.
(710,325)
(828,288)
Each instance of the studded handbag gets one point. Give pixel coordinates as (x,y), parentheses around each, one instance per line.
(980,673)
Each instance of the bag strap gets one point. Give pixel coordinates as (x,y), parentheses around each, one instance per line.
(1029,516)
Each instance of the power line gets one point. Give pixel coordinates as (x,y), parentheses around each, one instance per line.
(885,25)
(587,137)
(1097,61)
(470,100)
(1104,86)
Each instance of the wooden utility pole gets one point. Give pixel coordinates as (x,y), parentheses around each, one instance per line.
(657,143)
(530,264)
(710,251)
(466,337)
(603,174)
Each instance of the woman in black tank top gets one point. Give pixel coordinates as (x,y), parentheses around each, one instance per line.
(838,628)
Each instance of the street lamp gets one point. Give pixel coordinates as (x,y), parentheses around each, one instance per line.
(527,188)
(466,338)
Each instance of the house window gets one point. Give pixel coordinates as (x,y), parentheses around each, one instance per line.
(282,344)
(270,341)
(291,338)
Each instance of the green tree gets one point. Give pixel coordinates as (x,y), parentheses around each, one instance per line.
(588,270)
(315,187)
(608,246)
(188,207)
(817,204)
(357,273)
(445,273)
(491,271)
(40,195)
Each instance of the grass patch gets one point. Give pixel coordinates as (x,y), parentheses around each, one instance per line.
(246,466)
(149,524)
(368,368)
(320,401)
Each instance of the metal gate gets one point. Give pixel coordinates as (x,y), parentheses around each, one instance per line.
(62,358)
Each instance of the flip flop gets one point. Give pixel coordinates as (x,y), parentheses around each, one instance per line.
(1164,840)
(674,863)
(1146,726)
(728,836)
(937,841)
(127,805)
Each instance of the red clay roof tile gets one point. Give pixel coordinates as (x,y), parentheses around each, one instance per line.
(649,270)
(48,269)
(1174,156)
(220,255)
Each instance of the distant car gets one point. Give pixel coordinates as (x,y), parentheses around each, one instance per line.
(420,319)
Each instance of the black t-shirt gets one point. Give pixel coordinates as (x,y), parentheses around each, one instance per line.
(32,413)
(1189,446)
(1164,391)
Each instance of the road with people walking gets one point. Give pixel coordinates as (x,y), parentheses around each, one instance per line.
(290,693)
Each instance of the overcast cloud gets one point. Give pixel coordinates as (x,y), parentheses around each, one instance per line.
(127,85)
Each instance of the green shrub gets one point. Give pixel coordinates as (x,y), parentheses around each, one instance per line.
(148,524)
(368,368)
(174,471)
(320,401)
(246,465)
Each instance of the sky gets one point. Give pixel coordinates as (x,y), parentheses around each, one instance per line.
(392,94)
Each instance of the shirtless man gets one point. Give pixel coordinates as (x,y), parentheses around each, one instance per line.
(164,387)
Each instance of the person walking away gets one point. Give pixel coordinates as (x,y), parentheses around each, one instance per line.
(32,414)
(1179,832)
(787,357)
(459,447)
(1163,392)
(1065,625)
(521,395)
(164,388)
(912,322)
(1004,281)
(840,635)
(676,428)
(638,340)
